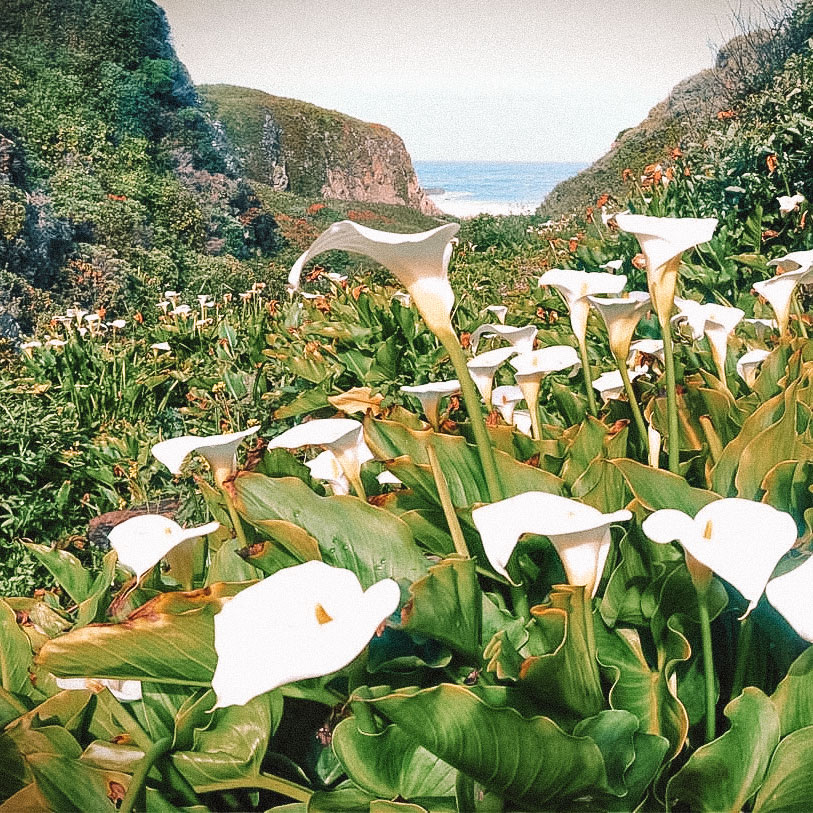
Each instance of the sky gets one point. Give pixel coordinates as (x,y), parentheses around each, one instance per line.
(504,80)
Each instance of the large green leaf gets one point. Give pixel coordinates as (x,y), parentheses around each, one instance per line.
(170,639)
(640,689)
(15,652)
(530,761)
(68,571)
(352,534)
(726,773)
(614,733)
(788,785)
(446,605)
(232,742)
(793,697)
(656,488)
(459,462)
(391,763)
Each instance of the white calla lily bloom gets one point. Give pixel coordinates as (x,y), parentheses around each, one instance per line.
(531,368)
(611,386)
(342,436)
(325,466)
(575,286)
(621,316)
(125,691)
(740,540)
(419,261)
(520,338)
(790,203)
(663,240)
(790,595)
(613,265)
(505,399)
(579,533)
(430,396)
(748,365)
(645,347)
(500,311)
(403,299)
(387,478)
(521,419)
(161,347)
(794,261)
(483,367)
(218,450)
(719,326)
(143,541)
(779,290)
(302,622)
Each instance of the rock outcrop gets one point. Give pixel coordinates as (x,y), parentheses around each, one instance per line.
(298,147)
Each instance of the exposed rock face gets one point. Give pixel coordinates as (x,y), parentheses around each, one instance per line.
(297,147)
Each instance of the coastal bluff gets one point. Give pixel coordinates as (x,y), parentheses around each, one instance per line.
(297,147)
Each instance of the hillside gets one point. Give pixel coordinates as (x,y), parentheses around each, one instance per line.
(743,67)
(298,147)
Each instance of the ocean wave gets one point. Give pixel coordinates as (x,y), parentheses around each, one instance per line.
(461,205)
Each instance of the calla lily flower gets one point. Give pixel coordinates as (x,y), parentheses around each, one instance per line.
(779,290)
(740,540)
(402,298)
(790,595)
(690,313)
(720,323)
(387,478)
(325,466)
(505,398)
(580,533)
(430,396)
(419,261)
(574,286)
(610,385)
(522,421)
(663,240)
(125,691)
(219,451)
(645,347)
(520,338)
(795,261)
(141,542)
(301,622)
(613,265)
(532,367)
(621,315)
(342,436)
(483,367)
(161,347)
(789,203)
(761,326)
(748,365)
(500,311)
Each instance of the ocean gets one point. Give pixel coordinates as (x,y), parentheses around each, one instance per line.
(469,188)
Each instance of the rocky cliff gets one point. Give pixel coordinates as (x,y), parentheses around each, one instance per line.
(298,147)
(743,66)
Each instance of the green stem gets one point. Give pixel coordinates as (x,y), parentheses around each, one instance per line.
(155,752)
(358,487)
(708,664)
(464,793)
(472,400)
(235,519)
(673,433)
(797,309)
(588,379)
(446,501)
(265,781)
(743,648)
(636,410)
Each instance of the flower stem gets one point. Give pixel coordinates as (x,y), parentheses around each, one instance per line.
(154,753)
(636,410)
(239,532)
(446,501)
(673,433)
(358,487)
(797,309)
(472,400)
(743,648)
(708,664)
(588,379)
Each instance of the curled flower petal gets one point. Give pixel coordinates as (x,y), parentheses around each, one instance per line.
(520,338)
(500,311)
(621,316)
(483,367)
(301,622)
(580,533)
(125,691)
(790,594)
(505,398)
(779,290)
(141,542)
(430,396)
(748,365)
(325,466)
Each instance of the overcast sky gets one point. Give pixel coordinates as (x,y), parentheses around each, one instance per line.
(520,80)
